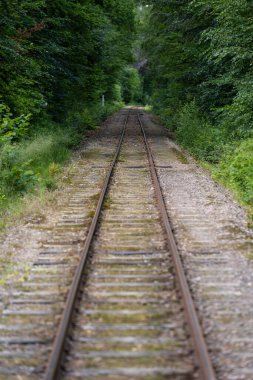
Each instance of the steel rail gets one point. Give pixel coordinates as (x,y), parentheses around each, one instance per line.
(56,356)
(202,355)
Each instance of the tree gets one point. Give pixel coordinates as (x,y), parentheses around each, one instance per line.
(202,50)
(57,56)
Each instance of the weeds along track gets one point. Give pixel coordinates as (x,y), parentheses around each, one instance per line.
(129,313)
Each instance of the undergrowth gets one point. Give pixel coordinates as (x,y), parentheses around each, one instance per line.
(31,162)
(235,170)
(229,159)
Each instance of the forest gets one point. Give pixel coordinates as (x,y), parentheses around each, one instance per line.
(199,79)
(57,60)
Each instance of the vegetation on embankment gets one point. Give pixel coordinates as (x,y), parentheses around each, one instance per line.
(32,162)
(199,79)
(57,60)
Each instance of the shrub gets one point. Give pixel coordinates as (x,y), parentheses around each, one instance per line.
(197,134)
(90,117)
(101,113)
(15,176)
(236,169)
(12,129)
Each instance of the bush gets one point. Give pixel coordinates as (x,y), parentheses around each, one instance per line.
(90,117)
(16,176)
(103,112)
(236,169)
(196,133)
(12,129)
(81,120)
(237,117)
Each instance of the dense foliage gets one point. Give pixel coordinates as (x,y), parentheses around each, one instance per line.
(200,79)
(55,53)
(57,59)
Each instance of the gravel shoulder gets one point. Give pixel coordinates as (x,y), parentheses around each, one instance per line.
(216,248)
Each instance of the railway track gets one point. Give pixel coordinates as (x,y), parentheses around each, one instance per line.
(129,311)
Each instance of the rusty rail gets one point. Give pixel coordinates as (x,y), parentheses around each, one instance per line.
(202,355)
(200,348)
(59,342)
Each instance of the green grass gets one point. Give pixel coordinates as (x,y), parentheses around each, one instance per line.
(235,171)
(48,151)
(30,169)
(33,166)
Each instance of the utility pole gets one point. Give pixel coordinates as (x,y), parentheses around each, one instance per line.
(103,100)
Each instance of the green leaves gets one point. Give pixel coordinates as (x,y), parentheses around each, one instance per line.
(196,133)
(15,176)
(56,52)
(236,168)
(12,129)
(131,86)
(203,50)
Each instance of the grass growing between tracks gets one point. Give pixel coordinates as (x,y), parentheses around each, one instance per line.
(31,167)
